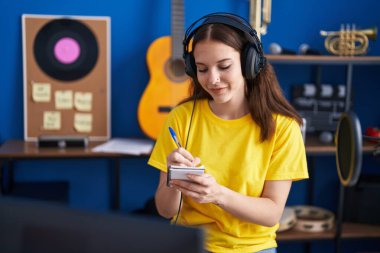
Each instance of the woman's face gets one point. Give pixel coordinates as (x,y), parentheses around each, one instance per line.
(219,71)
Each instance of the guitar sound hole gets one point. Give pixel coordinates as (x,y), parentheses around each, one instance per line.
(175,70)
(178,67)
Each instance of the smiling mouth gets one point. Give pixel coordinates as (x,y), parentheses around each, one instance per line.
(217,90)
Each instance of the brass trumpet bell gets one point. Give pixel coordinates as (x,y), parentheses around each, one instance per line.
(371,33)
(349,41)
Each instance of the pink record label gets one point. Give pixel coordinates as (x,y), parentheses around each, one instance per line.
(67,50)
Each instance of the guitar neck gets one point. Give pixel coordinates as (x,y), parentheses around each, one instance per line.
(177,28)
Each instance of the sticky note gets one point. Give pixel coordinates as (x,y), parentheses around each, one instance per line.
(41,92)
(52,120)
(83,101)
(83,122)
(64,99)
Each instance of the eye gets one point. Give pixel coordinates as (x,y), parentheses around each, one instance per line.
(224,67)
(202,70)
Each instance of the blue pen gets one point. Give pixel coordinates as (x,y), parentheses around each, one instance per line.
(174,136)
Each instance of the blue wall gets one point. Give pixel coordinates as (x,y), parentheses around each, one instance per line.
(134,25)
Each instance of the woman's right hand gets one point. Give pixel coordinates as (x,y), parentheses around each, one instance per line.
(182,157)
(167,198)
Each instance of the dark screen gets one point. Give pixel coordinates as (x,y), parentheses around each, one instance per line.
(39,227)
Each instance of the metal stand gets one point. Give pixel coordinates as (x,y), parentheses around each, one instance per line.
(339,218)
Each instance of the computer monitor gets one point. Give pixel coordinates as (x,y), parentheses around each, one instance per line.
(30,226)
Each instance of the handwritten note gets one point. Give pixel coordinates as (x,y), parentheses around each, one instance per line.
(64,99)
(83,101)
(41,92)
(83,122)
(52,120)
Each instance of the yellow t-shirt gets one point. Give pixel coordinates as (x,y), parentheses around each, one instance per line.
(232,153)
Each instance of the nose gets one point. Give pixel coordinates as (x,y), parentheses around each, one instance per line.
(213,77)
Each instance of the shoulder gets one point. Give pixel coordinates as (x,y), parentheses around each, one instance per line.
(180,113)
(285,124)
(285,121)
(182,108)
(187,107)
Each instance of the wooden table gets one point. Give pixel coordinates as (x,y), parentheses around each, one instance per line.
(14,150)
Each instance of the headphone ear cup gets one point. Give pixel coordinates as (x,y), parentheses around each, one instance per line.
(190,67)
(250,62)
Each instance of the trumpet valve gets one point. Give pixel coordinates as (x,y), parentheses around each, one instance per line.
(348,41)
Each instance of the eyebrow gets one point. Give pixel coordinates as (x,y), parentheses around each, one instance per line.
(222,60)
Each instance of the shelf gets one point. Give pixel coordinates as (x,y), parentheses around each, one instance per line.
(349,231)
(21,149)
(323,59)
(315,147)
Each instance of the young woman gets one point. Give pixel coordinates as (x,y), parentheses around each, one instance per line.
(239,126)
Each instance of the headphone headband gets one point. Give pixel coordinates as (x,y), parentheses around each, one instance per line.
(225,18)
(253,56)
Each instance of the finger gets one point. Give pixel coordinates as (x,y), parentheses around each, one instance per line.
(194,195)
(203,179)
(196,161)
(186,191)
(177,158)
(185,185)
(187,155)
(198,179)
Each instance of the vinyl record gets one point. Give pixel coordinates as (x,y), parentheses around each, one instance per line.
(66,49)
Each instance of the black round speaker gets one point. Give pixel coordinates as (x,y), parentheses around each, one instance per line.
(349,148)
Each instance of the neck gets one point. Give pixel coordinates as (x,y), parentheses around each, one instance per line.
(229,110)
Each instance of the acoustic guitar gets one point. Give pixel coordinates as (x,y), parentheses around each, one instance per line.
(168,83)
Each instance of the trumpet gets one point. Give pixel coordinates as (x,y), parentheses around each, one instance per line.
(349,41)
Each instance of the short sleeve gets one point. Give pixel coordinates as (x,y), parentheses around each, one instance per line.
(164,144)
(288,160)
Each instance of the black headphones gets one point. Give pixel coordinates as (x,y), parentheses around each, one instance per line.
(252,56)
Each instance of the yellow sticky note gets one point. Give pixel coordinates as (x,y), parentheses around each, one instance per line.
(41,92)
(52,120)
(83,122)
(64,99)
(83,101)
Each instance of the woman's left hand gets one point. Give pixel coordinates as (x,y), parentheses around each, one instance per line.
(201,188)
